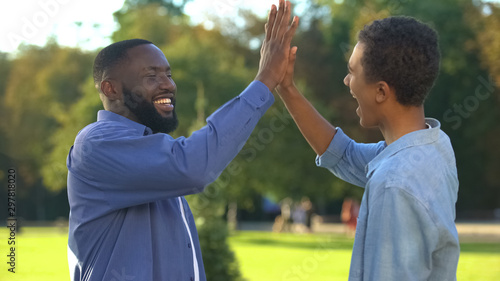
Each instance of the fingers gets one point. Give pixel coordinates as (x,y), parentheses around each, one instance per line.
(284,20)
(287,39)
(279,19)
(291,60)
(270,22)
(277,26)
(293,54)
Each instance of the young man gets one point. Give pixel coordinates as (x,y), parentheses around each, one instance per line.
(406,228)
(127,176)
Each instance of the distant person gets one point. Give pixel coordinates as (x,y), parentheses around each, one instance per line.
(406,228)
(127,176)
(309,212)
(283,222)
(349,214)
(299,218)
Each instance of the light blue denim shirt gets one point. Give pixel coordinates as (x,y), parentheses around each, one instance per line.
(406,229)
(128,216)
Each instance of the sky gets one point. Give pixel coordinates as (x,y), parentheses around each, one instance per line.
(88,24)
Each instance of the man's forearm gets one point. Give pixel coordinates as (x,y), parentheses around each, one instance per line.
(316,129)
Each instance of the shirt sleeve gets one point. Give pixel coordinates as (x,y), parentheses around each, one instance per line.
(400,238)
(347,159)
(132,169)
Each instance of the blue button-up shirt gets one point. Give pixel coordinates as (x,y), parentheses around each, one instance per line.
(126,188)
(406,228)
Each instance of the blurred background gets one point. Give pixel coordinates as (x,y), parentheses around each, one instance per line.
(272,205)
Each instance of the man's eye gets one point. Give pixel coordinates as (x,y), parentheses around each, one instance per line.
(151,75)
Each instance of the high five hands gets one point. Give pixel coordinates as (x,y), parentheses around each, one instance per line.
(276,53)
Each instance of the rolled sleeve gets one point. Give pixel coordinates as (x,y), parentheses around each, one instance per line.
(347,159)
(335,151)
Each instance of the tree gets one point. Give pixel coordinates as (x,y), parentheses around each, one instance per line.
(39,81)
(171,7)
(71,119)
(33,93)
(485,21)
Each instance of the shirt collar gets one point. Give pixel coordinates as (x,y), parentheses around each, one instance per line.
(105,115)
(416,138)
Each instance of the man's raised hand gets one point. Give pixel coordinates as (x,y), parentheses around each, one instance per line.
(275,51)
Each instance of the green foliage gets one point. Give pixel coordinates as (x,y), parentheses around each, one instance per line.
(172,7)
(219,260)
(71,120)
(5,68)
(41,79)
(149,22)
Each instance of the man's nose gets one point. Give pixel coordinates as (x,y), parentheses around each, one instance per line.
(346,80)
(167,83)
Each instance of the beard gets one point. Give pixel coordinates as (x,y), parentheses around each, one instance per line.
(147,113)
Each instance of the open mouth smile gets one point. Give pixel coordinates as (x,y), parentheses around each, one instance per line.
(164,103)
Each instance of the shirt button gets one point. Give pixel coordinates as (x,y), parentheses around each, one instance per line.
(262,98)
(189,245)
(192,278)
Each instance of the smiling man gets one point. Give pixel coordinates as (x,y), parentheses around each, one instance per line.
(406,228)
(127,176)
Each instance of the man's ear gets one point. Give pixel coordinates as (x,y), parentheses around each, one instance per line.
(111,89)
(383,92)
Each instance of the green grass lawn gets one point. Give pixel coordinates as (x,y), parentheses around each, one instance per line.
(270,256)
(284,256)
(41,256)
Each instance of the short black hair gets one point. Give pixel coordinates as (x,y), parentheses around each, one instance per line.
(112,55)
(403,52)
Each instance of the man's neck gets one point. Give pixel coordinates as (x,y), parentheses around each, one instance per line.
(121,110)
(401,122)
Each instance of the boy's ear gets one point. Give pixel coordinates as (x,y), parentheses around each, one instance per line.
(383,92)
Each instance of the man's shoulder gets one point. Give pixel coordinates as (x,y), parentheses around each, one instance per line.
(100,130)
(104,128)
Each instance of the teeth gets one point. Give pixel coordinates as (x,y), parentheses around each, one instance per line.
(163,101)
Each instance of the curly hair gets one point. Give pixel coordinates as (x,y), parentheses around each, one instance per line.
(113,54)
(404,53)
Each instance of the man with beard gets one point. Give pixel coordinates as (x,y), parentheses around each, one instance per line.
(405,229)
(127,176)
